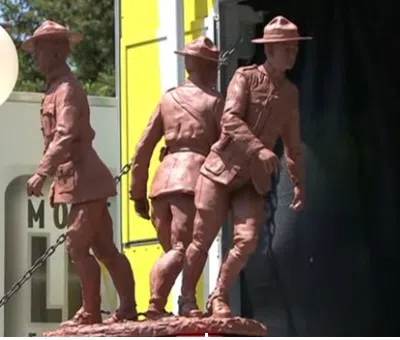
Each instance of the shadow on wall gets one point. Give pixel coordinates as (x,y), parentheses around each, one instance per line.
(339,258)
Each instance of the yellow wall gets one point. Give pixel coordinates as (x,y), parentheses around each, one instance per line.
(140,92)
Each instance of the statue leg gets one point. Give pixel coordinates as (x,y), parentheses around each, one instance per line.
(248,213)
(118,266)
(212,205)
(161,217)
(168,267)
(82,221)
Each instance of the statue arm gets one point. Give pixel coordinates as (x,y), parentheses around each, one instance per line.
(67,111)
(232,122)
(144,151)
(292,143)
(218,110)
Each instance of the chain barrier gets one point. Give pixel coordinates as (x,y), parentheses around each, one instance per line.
(225,55)
(42,259)
(271,208)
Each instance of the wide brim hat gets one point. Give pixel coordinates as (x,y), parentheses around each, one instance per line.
(51,30)
(280,29)
(5,25)
(201,47)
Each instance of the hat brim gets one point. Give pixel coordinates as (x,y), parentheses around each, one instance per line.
(267,41)
(73,37)
(184,53)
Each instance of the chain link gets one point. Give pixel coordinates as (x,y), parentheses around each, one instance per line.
(42,259)
(124,171)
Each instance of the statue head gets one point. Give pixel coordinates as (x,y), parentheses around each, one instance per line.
(201,60)
(50,45)
(281,43)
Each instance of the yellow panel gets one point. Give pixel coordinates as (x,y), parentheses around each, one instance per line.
(143,95)
(142,259)
(140,92)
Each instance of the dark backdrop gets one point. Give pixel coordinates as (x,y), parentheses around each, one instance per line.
(339,258)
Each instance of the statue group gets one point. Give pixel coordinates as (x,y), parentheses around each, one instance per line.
(217,160)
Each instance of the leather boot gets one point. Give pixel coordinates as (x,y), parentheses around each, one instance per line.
(162,279)
(218,306)
(218,302)
(122,276)
(89,274)
(193,266)
(187,306)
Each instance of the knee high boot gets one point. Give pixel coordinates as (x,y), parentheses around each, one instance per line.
(122,276)
(162,279)
(89,274)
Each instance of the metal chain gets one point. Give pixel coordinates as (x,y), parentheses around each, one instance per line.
(272,206)
(38,263)
(42,259)
(225,55)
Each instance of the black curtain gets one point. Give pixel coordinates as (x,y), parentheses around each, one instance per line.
(339,259)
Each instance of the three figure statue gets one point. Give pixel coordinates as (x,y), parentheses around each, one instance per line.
(217,160)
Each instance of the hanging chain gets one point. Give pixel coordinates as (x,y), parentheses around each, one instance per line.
(38,263)
(225,55)
(42,259)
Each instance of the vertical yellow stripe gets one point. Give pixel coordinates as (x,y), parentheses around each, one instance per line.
(140,92)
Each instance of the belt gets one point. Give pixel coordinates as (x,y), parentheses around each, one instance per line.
(187,149)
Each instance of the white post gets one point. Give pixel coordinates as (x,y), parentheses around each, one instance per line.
(172,38)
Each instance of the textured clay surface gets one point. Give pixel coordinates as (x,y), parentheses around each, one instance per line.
(169,326)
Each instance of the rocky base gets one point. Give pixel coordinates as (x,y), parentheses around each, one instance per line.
(169,326)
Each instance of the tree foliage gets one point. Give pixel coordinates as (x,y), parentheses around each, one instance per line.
(92,59)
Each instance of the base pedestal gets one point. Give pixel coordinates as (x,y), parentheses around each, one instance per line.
(169,326)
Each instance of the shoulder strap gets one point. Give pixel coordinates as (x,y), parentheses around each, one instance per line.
(265,114)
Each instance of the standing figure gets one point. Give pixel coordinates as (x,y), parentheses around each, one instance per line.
(188,117)
(80,176)
(261,105)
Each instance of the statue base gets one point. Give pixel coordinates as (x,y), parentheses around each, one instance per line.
(169,326)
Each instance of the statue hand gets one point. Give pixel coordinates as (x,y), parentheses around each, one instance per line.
(298,199)
(142,208)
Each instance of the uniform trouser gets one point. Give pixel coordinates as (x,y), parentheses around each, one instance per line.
(213,202)
(90,227)
(172,216)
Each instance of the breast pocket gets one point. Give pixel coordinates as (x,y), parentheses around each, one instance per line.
(66,177)
(257,107)
(48,120)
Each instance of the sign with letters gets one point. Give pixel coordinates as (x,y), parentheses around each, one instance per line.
(53,293)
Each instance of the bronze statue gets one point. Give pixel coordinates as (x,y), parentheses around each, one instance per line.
(261,105)
(188,117)
(80,176)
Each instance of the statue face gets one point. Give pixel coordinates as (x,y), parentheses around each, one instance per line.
(48,54)
(282,56)
(41,56)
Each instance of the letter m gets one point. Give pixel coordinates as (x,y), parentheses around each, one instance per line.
(35,215)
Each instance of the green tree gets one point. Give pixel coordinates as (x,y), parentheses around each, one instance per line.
(92,59)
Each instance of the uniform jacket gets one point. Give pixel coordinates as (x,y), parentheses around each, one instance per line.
(259,108)
(189,119)
(79,174)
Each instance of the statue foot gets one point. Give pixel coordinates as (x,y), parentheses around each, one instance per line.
(121,317)
(218,307)
(154,314)
(188,308)
(83,318)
